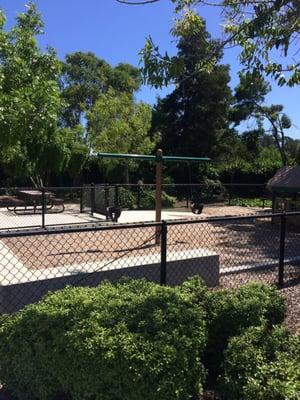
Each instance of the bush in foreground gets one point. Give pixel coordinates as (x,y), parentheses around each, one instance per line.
(262,364)
(229,312)
(131,341)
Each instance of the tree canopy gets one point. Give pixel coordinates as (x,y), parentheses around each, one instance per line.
(194,116)
(85,77)
(30,100)
(267,31)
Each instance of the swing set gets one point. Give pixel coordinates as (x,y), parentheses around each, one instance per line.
(159,159)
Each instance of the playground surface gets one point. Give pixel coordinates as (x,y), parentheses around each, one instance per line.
(72,216)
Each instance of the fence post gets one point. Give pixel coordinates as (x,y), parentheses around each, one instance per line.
(116,197)
(92,199)
(281,250)
(81,200)
(188,197)
(43,207)
(163,253)
(139,196)
(230,195)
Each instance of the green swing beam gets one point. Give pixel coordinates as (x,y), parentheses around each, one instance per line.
(159,158)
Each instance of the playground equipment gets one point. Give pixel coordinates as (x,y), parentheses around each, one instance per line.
(159,159)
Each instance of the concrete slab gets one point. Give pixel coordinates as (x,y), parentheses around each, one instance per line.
(9,220)
(20,286)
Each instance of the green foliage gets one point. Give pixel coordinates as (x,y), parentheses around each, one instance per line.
(256,202)
(118,124)
(212,189)
(85,77)
(193,118)
(30,100)
(147,201)
(189,29)
(262,364)
(127,199)
(128,341)
(265,32)
(230,312)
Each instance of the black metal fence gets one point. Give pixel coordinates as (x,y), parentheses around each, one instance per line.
(22,208)
(225,252)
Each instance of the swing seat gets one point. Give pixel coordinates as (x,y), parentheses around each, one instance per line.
(197,208)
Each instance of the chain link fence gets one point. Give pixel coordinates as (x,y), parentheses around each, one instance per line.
(30,208)
(224,252)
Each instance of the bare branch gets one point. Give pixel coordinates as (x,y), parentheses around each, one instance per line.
(137,3)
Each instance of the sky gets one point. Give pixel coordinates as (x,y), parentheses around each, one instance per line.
(117,32)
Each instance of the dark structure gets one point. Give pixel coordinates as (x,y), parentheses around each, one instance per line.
(285,189)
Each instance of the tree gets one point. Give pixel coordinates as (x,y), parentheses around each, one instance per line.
(249,96)
(265,30)
(29,98)
(193,118)
(117,124)
(85,77)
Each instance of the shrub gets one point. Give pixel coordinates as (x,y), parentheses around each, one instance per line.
(148,200)
(127,199)
(230,312)
(262,364)
(212,189)
(131,341)
(256,202)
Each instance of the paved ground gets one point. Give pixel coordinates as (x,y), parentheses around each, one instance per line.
(71,216)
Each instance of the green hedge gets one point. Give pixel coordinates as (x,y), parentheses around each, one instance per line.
(262,364)
(134,340)
(229,312)
(130,341)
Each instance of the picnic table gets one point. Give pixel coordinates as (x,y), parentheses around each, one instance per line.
(31,202)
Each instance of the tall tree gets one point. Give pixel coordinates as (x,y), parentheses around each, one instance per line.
(250,96)
(85,77)
(193,118)
(29,98)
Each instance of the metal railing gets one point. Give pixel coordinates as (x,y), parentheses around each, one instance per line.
(224,252)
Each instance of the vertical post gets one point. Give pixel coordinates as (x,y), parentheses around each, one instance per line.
(230,194)
(273,206)
(158,189)
(163,253)
(139,196)
(43,207)
(281,249)
(92,199)
(116,199)
(187,196)
(106,202)
(81,200)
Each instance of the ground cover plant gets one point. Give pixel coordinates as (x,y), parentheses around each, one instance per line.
(139,340)
(248,202)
